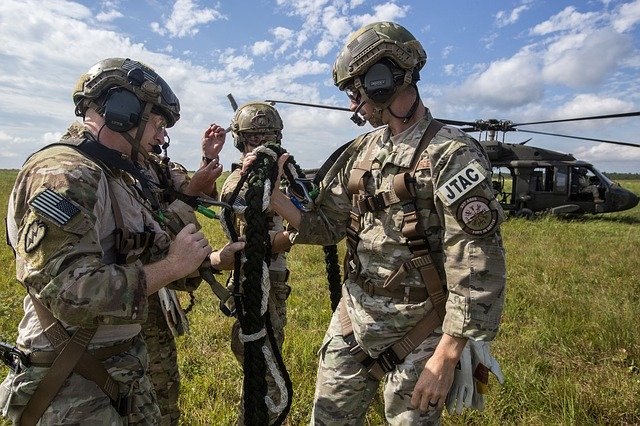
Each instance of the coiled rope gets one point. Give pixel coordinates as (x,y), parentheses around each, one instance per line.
(251,294)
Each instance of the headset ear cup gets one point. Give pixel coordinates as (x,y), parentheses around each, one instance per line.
(122,110)
(379,83)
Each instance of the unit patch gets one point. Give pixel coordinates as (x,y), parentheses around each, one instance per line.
(476,217)
(54,206)
(463,181)
(34,235)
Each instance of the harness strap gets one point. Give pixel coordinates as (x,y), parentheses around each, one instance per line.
(393,355)
(72,355)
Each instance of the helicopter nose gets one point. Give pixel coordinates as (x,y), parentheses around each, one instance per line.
(624,199)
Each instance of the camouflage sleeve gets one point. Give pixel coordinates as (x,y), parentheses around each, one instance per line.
(474,256)
(179,176)
(327,223)
(57,200)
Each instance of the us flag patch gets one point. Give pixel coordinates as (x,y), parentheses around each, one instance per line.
(54,206)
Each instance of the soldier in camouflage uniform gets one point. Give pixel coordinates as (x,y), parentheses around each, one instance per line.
(166,318)
(253,124)
(89,251)
(384,295)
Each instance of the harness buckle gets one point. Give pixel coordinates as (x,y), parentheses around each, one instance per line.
(388,360)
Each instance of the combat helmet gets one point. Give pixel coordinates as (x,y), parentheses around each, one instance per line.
(141,80)
(377,62)
(255,117)
(373,42)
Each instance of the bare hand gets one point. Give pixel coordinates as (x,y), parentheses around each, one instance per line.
(248,160)
(203,181)
(188,250)
(213,141)
(225,257)
(436,378)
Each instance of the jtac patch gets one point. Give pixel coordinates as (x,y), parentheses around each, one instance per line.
(54,206)
(463,181)
(476,217)
(34,235)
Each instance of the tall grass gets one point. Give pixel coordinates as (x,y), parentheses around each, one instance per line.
(569,344)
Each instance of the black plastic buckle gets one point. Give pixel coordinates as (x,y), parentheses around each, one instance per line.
(123,405)
(409,207)
(388,360)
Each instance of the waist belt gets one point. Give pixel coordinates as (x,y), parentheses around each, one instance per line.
(279,276)
(46,358)
(404,294)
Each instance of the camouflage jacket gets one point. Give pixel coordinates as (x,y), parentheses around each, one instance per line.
(276,224)
(461,221)
(61,225)
(176,177)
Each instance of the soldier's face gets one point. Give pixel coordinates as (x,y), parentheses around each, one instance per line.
(154,132)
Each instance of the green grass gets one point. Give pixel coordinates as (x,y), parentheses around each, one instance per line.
(569,344)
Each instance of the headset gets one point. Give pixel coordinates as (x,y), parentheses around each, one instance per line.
(122,110)
(381,80)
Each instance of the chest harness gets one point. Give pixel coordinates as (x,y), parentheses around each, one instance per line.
(403,191)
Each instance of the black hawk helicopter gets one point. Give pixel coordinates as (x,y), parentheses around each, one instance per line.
(529,180)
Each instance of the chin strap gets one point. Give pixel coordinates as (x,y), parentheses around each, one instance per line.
(135,143)
(412,110)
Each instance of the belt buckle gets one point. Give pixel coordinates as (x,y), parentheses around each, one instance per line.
(368,287)
(388,360)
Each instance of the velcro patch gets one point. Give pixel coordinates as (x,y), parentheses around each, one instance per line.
(35,233)
(463,181)
(476,217)
(54,206)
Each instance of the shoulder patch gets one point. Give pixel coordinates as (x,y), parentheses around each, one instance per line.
(36,231)
(424,164)
(54,206)
(463,181)
(476,216)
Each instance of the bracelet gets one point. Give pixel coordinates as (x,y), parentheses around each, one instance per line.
(207,160)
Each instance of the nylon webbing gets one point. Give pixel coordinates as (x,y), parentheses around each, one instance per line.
(72,356)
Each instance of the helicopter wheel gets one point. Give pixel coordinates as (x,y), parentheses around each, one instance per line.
(524,213)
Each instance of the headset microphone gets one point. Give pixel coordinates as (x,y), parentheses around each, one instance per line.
(157,150)
(357,118)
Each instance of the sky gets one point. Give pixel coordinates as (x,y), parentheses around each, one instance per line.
(524,61)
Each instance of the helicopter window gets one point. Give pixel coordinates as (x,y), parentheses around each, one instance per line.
(541,179)
(561,180)
(585,185)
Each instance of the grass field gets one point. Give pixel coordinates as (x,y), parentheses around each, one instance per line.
(569,344)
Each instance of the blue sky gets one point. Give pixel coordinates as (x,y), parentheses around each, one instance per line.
(525,60)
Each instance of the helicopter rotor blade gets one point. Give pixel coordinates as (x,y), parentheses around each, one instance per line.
(580,137)
(337,108)
(595,117)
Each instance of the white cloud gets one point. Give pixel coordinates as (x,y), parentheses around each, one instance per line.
(261,48)
(586,58)
(568,19)
(505,83)
(382,12)
(185,19)
(446,51)
(507,18)
(627,16)
(109,16)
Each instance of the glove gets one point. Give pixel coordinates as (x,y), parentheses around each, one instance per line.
(173,313)
(482,362)
(461,392)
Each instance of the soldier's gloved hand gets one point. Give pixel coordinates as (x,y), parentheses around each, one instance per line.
(482,362)
(461,392)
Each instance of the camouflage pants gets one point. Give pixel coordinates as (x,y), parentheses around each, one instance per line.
(278,316)
(163,362)
(80,401)
(344,389)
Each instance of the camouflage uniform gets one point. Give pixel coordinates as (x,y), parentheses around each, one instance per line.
(158,332)
(278,275)
(69,263)
(466,249)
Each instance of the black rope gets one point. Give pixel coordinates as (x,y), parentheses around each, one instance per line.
(333,274)
(250,297)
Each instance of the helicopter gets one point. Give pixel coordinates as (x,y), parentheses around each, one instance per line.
(528,180)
